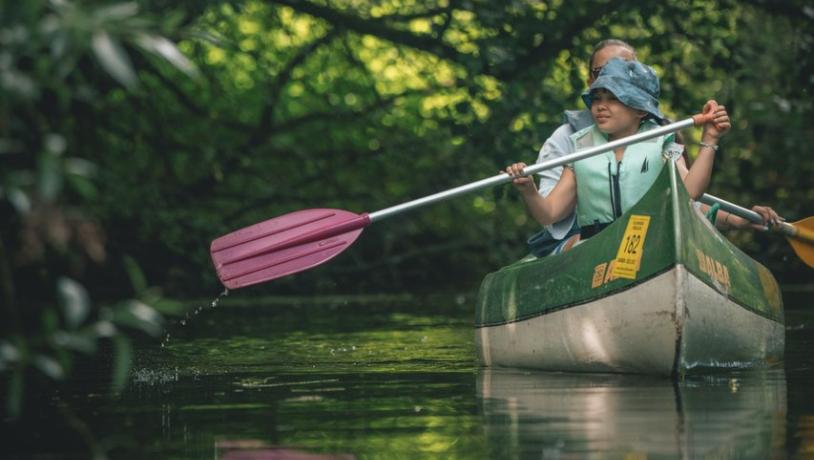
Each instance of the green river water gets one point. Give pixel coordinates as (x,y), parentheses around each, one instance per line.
(396,377)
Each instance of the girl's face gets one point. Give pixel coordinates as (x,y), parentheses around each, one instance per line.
(612,117)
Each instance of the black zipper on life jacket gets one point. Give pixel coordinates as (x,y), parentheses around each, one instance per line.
(615,190)
(618,209)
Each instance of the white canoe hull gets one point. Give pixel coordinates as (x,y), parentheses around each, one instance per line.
(666,325)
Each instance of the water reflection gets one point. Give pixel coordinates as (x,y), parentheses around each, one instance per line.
(554,415)
(260,450)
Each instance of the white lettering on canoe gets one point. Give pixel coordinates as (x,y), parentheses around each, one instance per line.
(717,271)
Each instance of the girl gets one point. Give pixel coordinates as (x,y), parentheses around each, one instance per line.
(623,101)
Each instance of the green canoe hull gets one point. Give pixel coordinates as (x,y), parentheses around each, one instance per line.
(660,291)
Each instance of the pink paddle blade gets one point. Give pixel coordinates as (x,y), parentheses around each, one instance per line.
(284,245)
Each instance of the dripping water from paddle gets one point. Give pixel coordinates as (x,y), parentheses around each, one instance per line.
(189,315)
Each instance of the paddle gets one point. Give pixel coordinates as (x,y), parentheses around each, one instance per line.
(304,239)
(799,234)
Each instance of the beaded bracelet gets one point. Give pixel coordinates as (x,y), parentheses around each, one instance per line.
(713,147)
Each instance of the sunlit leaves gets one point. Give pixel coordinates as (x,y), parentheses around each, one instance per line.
(215,55)
(483,205)
(114,59)
(163,47)
(420,26)
(49,366)
(137,315)
(50,176)
(112,13)
(74,300)
(106,31)
(10,355)
(81,342)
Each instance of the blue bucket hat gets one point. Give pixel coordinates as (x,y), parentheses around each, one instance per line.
(633,83)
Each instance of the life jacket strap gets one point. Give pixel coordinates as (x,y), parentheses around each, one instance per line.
(587,231)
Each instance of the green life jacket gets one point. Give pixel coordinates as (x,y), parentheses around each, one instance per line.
(606,189)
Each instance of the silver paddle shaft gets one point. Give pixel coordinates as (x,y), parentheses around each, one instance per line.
(753,217)
(503,178)
(732,208)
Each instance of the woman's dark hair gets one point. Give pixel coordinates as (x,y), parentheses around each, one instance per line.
(606,43)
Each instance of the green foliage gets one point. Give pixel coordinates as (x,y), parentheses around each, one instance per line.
(68,334)
(59,62)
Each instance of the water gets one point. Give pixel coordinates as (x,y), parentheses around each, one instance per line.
(396,377)
(197,310)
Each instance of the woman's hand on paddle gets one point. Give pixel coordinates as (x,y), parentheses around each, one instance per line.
(717,126)
(524,184)
(770,217)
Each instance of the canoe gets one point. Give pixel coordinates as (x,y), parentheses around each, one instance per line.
(659,291)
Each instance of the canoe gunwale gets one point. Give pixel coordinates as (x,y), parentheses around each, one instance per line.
(566,306)
(625,288)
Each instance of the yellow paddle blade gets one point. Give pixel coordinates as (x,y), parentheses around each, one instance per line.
(803,240)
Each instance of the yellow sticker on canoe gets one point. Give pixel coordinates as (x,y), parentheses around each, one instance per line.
(629,256)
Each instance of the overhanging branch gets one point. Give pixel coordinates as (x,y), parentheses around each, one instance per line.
(378,27)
